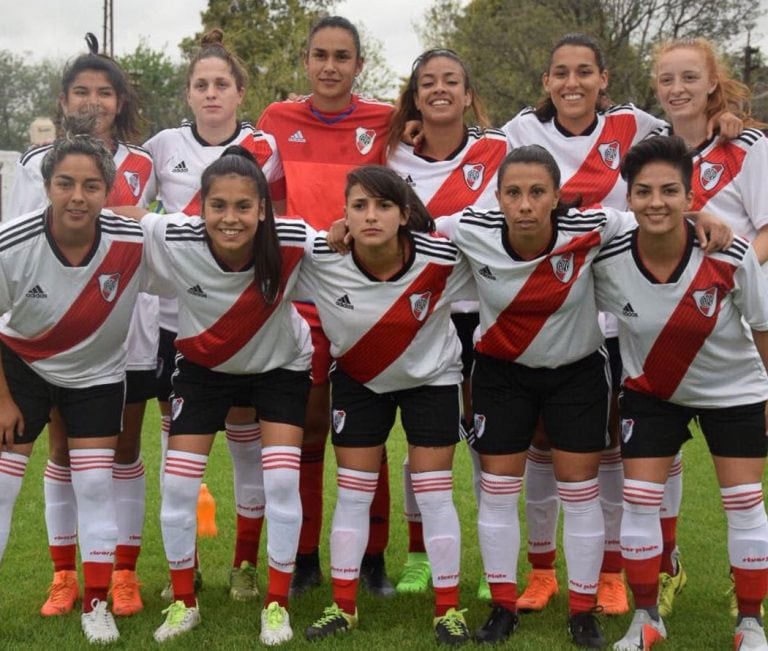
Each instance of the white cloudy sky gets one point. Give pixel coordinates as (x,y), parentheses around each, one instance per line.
(53,28)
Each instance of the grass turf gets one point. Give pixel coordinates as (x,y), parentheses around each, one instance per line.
(700,619)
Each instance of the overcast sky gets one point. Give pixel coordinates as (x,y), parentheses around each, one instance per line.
(52,28)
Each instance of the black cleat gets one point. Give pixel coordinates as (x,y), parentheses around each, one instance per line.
(306,575)
(501,623)
(585,630)
(373,575)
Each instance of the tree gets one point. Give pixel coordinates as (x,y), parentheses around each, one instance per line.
(507,43)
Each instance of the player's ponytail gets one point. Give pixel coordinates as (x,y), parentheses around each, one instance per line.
(267,262)
(212,46)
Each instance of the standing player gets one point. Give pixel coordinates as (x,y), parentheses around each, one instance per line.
(216,82)
(395,287)
(682,314)
(692,86)
(70,276)
(588,144)
(95,91)
(452,167)
(320,138)
(238,340)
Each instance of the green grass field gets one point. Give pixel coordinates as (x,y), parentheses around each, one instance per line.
(700,620)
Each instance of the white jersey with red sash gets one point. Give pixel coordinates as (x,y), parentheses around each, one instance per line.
(539,312)
(395,334)
(687,340)
(468,178)
(589,163)
(134,182)
(224,322)
(729,180)
(69,323)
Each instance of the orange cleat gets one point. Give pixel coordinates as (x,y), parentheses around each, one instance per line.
(63,593)
(126,598)
(542,586)
(612,593)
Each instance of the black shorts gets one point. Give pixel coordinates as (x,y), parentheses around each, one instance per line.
(572,400)
(362,418)
(201,397)
(614,360)
(140,386)
(166,364)
(652,427)
(87,413)
(465,324)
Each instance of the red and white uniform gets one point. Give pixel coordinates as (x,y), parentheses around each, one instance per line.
(224,323)
(69,323)
(687,340)
(589,164)
(468,178)
(181,156)
(396,334)
(540,312)
(318,150)
(729,180)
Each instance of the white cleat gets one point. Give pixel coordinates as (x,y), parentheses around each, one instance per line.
(98,625)
(642,633)
(178,620)
(749,635)
(275,625)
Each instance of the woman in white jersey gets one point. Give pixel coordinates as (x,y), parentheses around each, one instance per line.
(216,82)
(450,168)
(692,85)
(97,92)
(239,341)
(71,275)
(694,344)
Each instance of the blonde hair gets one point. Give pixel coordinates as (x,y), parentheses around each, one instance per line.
(729,94)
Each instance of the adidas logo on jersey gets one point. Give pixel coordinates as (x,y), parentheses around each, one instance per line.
(181,167)
(486,272)
(345,302)
(36,292)
(298,136)
(628,311)
(197,291)
(409,180)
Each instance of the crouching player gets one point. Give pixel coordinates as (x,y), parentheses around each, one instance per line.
(69,276)
(684,334)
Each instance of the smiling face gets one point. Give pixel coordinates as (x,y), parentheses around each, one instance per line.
(212,94)
(373,222)
(574,81)
(527,196)
(658,199)
(684,83)
(332,63)
(441,94)
(77,192)
(232,211)
(92,92)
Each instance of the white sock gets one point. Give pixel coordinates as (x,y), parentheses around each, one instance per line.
(95,498)
(610,478)
(410,506)
(498,526)
(583,533)
(442,534)
(673,489)
(12,469)
(477,473)
(747,526)
(178,511)
(244,443)
(283,508)
(129,483)
(165,429)
(541,502)
(640,526)
(60,505)
(351,521)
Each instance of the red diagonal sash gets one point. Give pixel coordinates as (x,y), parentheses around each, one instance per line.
(386,340)
(538,299)
(89,310)
(455,193)
(121,193)
(684,334)
(714,172)
(240,323)
(598,173)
